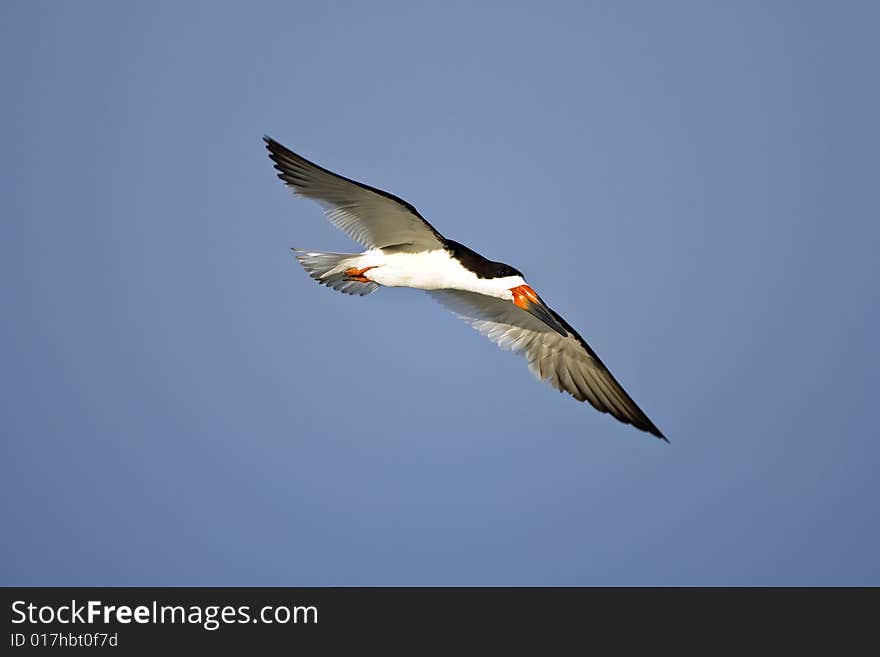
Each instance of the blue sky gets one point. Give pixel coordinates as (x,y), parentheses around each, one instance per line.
(693,185)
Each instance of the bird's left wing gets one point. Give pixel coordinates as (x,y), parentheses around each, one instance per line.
(567,363)
(368,215)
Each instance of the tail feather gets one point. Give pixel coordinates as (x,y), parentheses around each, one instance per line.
(328,269)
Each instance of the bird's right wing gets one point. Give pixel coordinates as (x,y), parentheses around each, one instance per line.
(368,215)
(567,363)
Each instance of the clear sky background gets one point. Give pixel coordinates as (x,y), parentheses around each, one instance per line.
(693,185)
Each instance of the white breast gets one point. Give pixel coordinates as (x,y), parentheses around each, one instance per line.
(432,270)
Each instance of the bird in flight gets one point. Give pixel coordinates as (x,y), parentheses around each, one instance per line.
(404,250)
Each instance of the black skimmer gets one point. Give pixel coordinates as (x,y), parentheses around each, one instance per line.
(404,250)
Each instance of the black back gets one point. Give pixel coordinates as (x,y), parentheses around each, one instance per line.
(482,267)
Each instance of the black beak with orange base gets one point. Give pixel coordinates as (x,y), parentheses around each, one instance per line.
(526,298)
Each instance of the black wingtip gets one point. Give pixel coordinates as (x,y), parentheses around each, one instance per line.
(271,145)
(654,431)
(274,147)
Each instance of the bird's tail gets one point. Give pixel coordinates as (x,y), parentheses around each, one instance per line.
(329,269)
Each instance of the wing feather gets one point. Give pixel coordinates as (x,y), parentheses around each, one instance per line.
(368,215)
(568,363)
